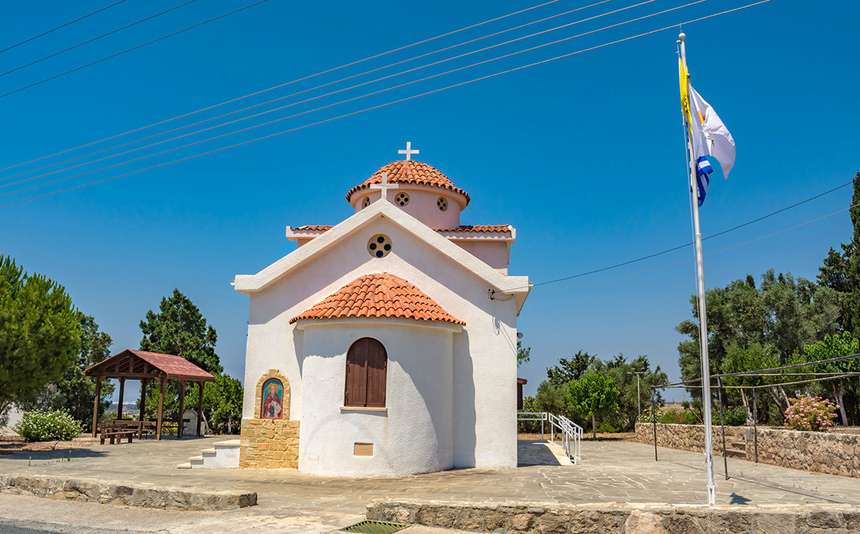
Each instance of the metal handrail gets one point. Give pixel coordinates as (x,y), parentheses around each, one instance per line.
(571,433)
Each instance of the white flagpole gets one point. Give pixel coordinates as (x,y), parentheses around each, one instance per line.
(703,318)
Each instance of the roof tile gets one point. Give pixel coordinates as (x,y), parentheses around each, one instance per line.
(410,172)
(378,295)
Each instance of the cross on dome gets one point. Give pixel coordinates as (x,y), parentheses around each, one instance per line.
(385,186)
(409,152)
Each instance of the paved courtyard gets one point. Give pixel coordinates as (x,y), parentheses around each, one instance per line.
(609,472)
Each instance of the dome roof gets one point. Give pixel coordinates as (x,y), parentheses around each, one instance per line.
(410,172)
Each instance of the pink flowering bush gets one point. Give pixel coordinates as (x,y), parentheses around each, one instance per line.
(810,413)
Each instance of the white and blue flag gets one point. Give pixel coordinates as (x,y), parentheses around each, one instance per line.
(703,169)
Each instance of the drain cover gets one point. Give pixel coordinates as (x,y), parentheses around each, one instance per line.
(374,527)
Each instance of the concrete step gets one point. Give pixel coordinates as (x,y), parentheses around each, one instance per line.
(222,455)
(736,453)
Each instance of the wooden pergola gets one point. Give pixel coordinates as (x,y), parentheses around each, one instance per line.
(146,367)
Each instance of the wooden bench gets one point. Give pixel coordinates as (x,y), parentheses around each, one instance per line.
(116,435)
(117,429)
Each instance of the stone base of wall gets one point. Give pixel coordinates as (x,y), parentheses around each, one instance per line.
(269,444)
(146,495)
(821,452)
(611,517)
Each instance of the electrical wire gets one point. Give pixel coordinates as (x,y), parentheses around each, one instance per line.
(393,102)
(248,108)
(329,105)
(679,247)
(127,50)
(328,71)
(49,56)
(709,254)
(60,26)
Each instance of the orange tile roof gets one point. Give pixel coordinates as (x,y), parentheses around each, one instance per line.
(313,228)
(474,228)
(470,228)
(410,172)
(378,295)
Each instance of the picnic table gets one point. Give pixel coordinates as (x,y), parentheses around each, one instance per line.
(117,429)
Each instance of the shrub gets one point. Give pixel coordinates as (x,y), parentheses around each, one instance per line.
(736,416)
(39,425)
(810,413)
(606,428)
(648,417)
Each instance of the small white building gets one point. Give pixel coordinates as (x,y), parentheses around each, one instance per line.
(385,345)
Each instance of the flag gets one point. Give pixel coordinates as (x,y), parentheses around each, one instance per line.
(710,135)
(703,169)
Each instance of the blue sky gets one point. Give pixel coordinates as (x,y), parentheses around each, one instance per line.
(583,155)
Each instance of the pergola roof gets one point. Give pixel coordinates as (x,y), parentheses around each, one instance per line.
(140,364)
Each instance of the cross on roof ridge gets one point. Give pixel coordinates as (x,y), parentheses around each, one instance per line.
(384,186)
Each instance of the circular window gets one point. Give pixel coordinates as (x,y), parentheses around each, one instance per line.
(366,202)
(442,203)
(379,246)
(401,199)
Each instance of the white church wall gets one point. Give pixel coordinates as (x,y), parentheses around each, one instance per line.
(493,253)
(483,387)
(484,354)
(422,205)
(412,435)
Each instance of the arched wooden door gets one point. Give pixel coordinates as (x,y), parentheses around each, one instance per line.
(366,364)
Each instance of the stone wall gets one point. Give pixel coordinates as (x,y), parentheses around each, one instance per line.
(530,518)
(269,443)
(822,452)
(146,495)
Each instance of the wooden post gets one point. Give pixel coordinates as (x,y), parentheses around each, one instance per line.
(181,417)
(121,392)
(96,405)
(160,408)
(200,407)
(144,382)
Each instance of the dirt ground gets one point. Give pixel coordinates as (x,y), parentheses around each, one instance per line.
(10,444)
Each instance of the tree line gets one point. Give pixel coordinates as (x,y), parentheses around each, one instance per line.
(46,343)
(778,321)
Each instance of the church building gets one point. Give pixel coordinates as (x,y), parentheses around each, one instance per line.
(385,345)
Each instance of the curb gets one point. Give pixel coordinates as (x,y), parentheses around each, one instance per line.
(619,517)
(145,495)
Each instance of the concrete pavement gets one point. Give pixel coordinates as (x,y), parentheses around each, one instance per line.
(290,501)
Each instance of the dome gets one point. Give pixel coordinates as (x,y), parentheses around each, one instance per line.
(410,172)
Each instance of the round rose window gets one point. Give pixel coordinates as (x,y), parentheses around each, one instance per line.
(379,246)
(442,204)
(402,199)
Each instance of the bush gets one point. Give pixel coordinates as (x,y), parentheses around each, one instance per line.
(736,416)
(810,413)
(606,428)
(38,425)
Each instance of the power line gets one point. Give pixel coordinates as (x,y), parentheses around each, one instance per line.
(268,123)
(49,56)
(393,102)
(679,247)
(286,97)
(60,26)
(709,254)
(328,71)
(127,50)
